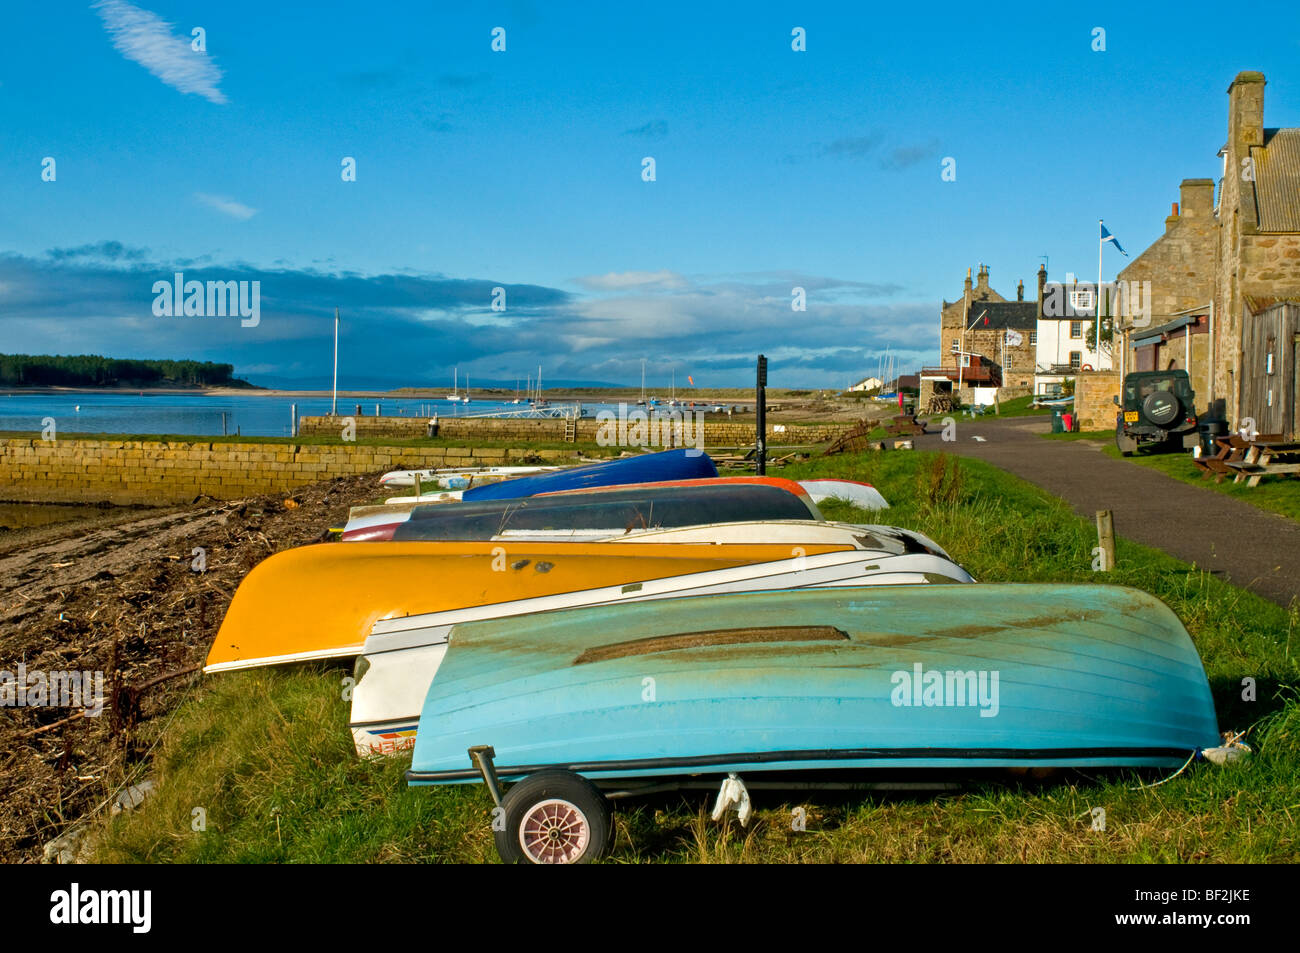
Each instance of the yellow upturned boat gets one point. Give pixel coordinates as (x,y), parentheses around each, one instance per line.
(320,601)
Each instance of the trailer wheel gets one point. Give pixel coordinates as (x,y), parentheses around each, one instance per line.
(554,817)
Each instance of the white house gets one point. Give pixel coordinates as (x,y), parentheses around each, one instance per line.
(1062,343)
(868,383)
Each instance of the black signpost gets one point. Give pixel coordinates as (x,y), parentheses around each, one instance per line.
(760,418)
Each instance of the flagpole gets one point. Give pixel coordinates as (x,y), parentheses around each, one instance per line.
(1101,245)
(334,408)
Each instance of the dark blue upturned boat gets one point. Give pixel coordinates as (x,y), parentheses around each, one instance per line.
(645,468)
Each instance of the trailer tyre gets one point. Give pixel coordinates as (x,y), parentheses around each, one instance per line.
(554,817)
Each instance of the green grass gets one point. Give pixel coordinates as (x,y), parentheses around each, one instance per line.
(1275,494)
(267,754)
(1021,407)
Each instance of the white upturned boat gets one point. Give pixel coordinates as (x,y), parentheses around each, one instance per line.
(850,491)
(437,496)
(448,478)
(401,656)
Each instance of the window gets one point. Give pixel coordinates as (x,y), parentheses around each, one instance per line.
(1033,337)
(955,346)
(1076,359)
(1076,329)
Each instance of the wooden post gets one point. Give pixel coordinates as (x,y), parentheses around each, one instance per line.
(1106,538)
(760,417)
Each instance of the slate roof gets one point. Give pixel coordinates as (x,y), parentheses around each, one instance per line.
(1277,180)
(1020,315)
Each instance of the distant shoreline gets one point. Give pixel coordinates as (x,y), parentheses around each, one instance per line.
(594,395)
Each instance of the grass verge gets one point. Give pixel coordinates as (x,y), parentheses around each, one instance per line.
(1022,407)
(266,754)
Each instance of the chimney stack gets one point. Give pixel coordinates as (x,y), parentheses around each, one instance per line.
(1245,114)
(1020,290)
(968,279)
(1042,287)
(1195,198)
(982,282)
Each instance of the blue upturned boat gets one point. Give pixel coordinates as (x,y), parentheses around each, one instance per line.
(978,676)
(645,468)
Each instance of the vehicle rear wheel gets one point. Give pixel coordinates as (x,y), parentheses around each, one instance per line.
(554,817)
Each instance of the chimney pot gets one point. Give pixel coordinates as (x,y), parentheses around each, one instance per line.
(1020,290)
(1174,213)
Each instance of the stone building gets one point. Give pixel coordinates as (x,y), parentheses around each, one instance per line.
(1219,266)
(973,338)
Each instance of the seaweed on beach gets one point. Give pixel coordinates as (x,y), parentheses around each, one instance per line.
(128,595)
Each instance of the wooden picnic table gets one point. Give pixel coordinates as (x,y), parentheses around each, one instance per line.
(1252,473)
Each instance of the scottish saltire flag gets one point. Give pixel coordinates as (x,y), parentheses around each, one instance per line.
(1106,236)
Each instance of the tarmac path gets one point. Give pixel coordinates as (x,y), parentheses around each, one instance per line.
(1252,548)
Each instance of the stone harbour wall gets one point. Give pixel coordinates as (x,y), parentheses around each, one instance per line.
(147,471)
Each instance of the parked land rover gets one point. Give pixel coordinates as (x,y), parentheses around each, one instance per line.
(1156,410)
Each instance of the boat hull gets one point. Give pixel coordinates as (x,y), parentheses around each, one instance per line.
(607,512)
(320,601)
(860,494)
(445,477)
(644,468)
(402,656)
(828,679)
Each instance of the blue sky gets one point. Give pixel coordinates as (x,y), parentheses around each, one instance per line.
(523,169)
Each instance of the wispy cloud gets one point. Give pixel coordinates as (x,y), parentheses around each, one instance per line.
(100,251)
(852,147)
(654,129)
(145,38)
(226,206)
(905,156)
(624,280)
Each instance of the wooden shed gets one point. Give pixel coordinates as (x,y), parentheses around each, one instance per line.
(1270,371)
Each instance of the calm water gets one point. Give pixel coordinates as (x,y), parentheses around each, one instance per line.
(195,414)
(251,415)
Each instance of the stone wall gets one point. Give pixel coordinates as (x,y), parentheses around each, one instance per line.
(134,471)
(719,430)
(1093,393)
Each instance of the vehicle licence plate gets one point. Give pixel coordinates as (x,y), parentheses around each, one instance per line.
(1130,416)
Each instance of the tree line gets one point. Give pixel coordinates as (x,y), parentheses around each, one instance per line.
(91,370)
